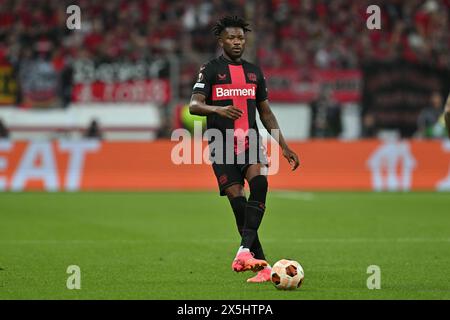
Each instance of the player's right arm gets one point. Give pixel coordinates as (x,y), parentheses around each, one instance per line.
(447,115)
(202,90)
(198,107)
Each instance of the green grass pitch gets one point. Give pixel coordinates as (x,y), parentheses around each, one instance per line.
(179,245)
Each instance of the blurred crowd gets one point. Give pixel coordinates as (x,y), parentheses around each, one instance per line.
(285,33)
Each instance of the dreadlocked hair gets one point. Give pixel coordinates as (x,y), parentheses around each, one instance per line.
(230,21)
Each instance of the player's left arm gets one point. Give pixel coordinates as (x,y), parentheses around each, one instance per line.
(447,115)
(270,123)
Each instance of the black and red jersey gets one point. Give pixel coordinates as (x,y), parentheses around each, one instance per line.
(224,82)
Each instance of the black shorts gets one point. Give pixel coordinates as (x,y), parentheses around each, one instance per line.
(228,174)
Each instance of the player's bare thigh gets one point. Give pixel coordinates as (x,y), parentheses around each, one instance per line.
(257,169)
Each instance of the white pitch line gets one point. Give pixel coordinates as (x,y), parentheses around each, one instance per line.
(334,240)
(304,196)
(230,240)
(64,242)
(390,240)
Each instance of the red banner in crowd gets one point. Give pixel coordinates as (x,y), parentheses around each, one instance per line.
(155,90)
(292,85)
(325,165)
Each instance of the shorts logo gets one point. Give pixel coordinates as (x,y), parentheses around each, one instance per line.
(223,179)
(221,77)
(251,76)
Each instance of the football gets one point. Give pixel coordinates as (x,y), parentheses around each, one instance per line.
(287,274)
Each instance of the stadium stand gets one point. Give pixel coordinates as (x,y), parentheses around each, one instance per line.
(146,54)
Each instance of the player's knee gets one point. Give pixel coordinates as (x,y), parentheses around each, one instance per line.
(234,191)
(258,188)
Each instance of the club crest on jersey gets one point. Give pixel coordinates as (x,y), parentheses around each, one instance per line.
(251,76)
(221,77)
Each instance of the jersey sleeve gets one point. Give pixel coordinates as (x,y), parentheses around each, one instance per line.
(261,92)
(204,80)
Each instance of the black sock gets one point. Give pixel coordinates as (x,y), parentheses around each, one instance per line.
(253,218)
(257,249)
(239,205)
(254,212)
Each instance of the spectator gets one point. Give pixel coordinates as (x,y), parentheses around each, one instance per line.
(93,132)
(369,126)
(4,133)
(325,116)
(429,116)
